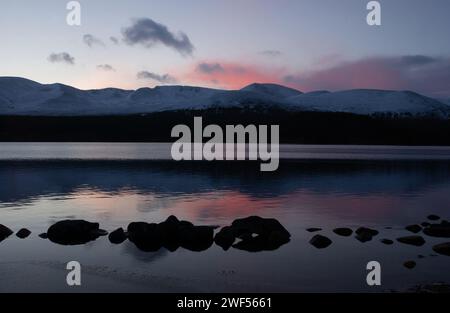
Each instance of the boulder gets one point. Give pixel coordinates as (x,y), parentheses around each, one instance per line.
(146,236)
(118,236)
(387,241)
(412,240)
(196,238)
(23,233)
(443,248)
(438,230)
(170,234)
(5,232)
(43,236)
(364,237)
(254,244)
(366,231)
(409,264)
(413,228)
(320,242)
(257,225)
(313,229)
(225,237)
(73,232)
(345,232)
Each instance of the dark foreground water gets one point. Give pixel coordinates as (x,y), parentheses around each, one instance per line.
(39,187)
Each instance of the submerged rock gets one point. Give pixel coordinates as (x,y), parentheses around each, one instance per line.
(102,232)
(313,229)
(441,230)
(345,232)
(387,241)
(73,232)
(443,248)
(412,240)
(320,242)
(433,217)
(43,236)
(23,233)
(118,236)
(5,232)
(413,228)
(409,264)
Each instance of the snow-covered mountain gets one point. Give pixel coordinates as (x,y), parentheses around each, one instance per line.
(369,102)
(19,96)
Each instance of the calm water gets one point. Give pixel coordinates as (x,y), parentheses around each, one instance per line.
(327,187)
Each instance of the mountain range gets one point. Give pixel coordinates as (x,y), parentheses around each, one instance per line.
(23,97)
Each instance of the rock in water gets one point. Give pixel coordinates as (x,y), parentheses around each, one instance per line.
(345,232)
(366,231)
(438,230)
(413,228)
(409,264)
(412,240)
(443,248)
(43,236)
(118,236)
(196,238)
(23,233)
(257,225)
(433,217)
(320,242)
(225,237)
(73,232)
(5,232)
(313,229)
(102,232)
(170,234)
(147,237)
(257,234)
(387,241)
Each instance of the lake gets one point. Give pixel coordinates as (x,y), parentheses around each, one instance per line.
(382,187)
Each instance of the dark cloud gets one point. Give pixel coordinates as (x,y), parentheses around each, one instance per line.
(106,67)
(148,33)
(210,68)
(62,57)
(164,79)
(423,74)
(418,60)
(271,53)
(92,41)
(114,40)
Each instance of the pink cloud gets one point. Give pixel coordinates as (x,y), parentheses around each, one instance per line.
(229,75)
(423,74)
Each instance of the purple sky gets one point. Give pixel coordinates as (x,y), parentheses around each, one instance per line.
(309,44)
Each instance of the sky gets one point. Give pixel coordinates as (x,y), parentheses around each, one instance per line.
(305,44)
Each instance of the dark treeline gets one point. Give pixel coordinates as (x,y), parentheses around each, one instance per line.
(295,127)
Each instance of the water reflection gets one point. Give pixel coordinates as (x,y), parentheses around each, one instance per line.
(27,181)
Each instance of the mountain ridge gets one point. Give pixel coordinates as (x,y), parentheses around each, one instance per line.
(21,96)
